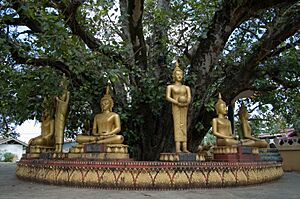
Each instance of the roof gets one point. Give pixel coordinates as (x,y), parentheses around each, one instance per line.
(11,141)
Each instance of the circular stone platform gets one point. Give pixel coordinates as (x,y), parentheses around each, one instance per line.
(147,175)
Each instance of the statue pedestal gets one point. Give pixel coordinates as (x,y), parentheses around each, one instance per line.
(36,151)
(40,149)
(174,157)
(99,151)
(236,154)
(271,154)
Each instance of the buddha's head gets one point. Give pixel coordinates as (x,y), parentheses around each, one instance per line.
(64,82)
(177,73)
(243,114)
(220,106)
(106,101)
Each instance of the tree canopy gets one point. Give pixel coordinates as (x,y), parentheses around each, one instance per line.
(226,46)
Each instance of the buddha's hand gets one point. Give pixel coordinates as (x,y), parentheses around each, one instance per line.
(104,133)
(182,104)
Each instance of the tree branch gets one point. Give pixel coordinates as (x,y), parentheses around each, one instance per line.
(286,84)
(284,48)
(24,18)
(69,12)
(13,22)
(135,15)
(205,57)
(43,61)
(285,26)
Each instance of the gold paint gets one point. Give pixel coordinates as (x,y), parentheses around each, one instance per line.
(222,126)
(241,177)
(52,175)
(163,179)
(249,140)
(46,139)
(62,102)
(63,175)
(52,125)
(255,150)
(106,125)
(116,148)
(225,149)
(180,97)
(179,177)
(75,176)
(146,177)
(91,177)
(228,177)
(252,176)
(171,157)
(214,178)
(197,179)
(108,178)
(99,156)
(105,129)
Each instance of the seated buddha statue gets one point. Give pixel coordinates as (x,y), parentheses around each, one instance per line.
(246,130)
(221,125)
(106,125)
(46,139)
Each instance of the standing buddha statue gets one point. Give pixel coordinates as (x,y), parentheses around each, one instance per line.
(60,115)
(180,97)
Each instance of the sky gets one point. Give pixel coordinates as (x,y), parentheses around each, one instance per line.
(29,129)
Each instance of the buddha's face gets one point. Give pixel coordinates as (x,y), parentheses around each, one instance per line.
(178,76)
(105,105)
(222,109)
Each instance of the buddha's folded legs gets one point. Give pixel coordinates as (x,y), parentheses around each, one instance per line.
(248,142)
(81,139)
(227,142)
(261,144)
(116,139)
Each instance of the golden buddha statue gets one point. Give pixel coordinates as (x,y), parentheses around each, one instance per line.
(221,125)
(180,97)
(60,115)
(246,131)
(106,125)
(46,139)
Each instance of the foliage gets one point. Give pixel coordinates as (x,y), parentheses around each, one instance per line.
(6,156)
(223,46)
(209,139)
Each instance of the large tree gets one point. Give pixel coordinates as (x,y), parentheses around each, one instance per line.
(226,46)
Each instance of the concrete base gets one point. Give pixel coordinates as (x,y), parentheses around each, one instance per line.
(236,154)
(140,175)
